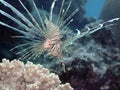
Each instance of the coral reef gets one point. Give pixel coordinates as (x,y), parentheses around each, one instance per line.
(94,67)
(84,76)
(91,63)
(15,75)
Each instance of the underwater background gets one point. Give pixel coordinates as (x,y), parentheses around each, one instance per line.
(93,62)
(94,8)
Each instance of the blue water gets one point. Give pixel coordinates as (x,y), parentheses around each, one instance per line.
(94,7)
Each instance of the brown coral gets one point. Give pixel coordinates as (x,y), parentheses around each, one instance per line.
(16,75)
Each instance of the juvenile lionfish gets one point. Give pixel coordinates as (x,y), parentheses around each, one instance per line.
(46,35)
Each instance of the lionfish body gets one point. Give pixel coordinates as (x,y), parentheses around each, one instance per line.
(46,35)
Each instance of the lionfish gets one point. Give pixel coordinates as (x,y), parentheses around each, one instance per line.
(45,35)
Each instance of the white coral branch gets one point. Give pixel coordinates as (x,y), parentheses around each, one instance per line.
(16,75)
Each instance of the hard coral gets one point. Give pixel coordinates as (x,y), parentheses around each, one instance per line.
(16,75)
